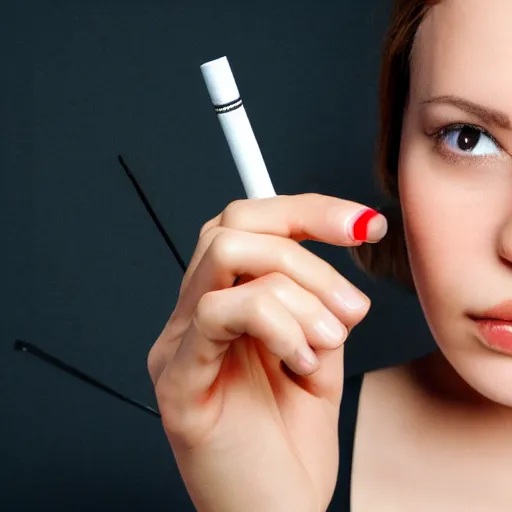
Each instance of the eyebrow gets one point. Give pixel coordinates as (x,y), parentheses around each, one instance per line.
(487,114)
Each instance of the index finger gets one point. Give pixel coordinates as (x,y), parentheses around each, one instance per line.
(308,216)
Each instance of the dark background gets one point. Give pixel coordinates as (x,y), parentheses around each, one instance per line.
(86,275)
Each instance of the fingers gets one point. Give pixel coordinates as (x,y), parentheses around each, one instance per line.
(258,238)
(233,253)
(298,217)
(287,319)
(321,329)
(304,216)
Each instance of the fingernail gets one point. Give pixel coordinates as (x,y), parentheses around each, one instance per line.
(307,358)
(369,226)
(331,328)
(351,298)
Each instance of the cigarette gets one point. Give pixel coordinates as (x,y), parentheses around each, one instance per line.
(231,113)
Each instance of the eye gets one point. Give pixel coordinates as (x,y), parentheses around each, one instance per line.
(468,139)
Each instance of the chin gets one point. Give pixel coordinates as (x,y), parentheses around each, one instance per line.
(487,372)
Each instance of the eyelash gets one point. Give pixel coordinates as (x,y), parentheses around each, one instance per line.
(442,132)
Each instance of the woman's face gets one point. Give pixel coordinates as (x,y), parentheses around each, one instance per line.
(455,176)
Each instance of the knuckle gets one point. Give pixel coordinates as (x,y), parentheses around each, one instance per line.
(284,288)
(260,303)
(288,256)
(234,212)
(179,413)
(313,310)
(182,428)
(223,247)
(277,282)
(206,227)
(204,312)
(207,238)
(262,306)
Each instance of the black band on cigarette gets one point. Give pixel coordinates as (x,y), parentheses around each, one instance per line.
(228,107)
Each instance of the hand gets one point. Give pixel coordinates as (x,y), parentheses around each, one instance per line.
(249,378)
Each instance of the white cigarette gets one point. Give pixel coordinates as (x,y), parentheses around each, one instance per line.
(237,129)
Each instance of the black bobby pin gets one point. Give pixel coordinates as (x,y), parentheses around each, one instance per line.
(23,346)
(152,214)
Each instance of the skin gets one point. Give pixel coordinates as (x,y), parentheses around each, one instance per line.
(247,431)
(251,433)
(460,244)
(451,410)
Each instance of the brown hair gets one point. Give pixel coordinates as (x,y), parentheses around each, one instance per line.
(388,258)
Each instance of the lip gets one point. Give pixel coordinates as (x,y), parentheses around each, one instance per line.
(502,312)
(496,334)
(495,327)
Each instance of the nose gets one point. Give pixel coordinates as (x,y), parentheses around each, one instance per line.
(505,241)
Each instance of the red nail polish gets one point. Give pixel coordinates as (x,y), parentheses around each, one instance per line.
(360,228)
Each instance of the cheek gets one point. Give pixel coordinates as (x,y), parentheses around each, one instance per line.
(453,219)
(444,230)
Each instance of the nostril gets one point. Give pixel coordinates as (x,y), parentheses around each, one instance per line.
(505,250)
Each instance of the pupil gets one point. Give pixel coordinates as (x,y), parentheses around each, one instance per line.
(468,138)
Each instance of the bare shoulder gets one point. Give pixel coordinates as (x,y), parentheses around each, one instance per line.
(389,415)
(392,384)
(393,397)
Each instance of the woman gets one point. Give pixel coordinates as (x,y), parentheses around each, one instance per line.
(249,378)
